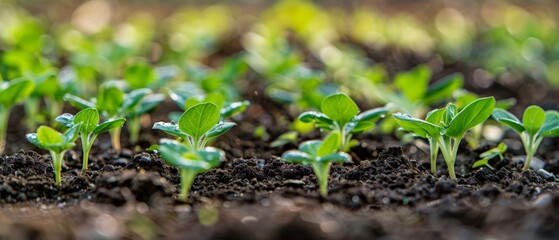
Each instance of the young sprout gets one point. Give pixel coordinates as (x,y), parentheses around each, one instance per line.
(490,154)
(320,155)
(444,128)
(536,124)
(191,162)
(11,93)
(197,125)
(340,114)
(114,103)
(57,144)
(90,128)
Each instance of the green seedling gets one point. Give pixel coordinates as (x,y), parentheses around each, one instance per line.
(536,124)
(320,155)
(444,128)
(90,128)
(113,103)
(340,114)
(197,125)
(57,144)
(187,99)
(11,93)
(490,154)
(190,162)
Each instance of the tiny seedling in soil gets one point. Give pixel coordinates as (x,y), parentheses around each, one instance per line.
(191,162)
(536,124)
(444,128)
(90,128)
(57,144)
(197,125)
(320,155)
(490,154)
(11,93)
(340,114)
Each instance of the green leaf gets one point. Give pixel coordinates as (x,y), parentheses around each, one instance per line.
(417,126)
(177,154)
(78,102)
(507,118)
(533,119)
(329,145)
(443,89)
(15,92)
(108,125)
(212,155)
(414,82)
(134,98)
(310,116)
(311,147)
(481,163)
(89,118)
(296,156)
(550,126)
(34,139)
(49,136)
(234,108)
(65,119)
(436,116)
(110,99)
(340,157)
(170,128)
(199,119)
(372,114)
(339,107)
(505,103)
(72,133)
(220,128)
(139,75)
(472,115)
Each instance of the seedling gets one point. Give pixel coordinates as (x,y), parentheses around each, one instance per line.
(112,102)
(320,155)
(11,93)
(197,125)
(536,124)
(340,114)
(444,128)
(90,128)
(57,144)
(190,162)
(490,154)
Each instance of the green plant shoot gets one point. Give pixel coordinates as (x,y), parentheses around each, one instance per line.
(90,128)
(536,124)
(190,162)
(490,154)
(57,144)
(197,125)
(340,114)
(320,155)
(444,128)
(11,93)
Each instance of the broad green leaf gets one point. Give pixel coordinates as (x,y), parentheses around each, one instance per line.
(49,136)
(34,139)
(339,107)
(505,117)
(450,113)
(148,103)
(443,89)
(78,102)
(89,118)
(472,115)
(533,119)
(329,145)
(417,126)
(481,163)
(177,154)
(134,98)
(65,119)
(414,82)
(170,128)
(295,156)
(15,92)
(110,99)
(199,119)
(139,75)
(372,114)
(108,125)
(311,147)
(234,108)
(72,133)
(340,157)
(550,126)
(314,116)
(366,120)
(436,116)
(220,128)
(212,155)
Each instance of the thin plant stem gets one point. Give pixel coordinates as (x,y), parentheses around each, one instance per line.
(4,117)
(322,170)
(57,159)
(115,138)
(187,178)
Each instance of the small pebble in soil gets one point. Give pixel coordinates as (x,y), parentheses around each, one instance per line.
(546,175)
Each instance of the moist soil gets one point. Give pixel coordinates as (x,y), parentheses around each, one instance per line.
(387,193)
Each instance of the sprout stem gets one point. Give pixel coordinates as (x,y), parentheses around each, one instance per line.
(115,138)
(134,128)
(57,163)
(321,170)
(4,117)
(434,152)
(187,178)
